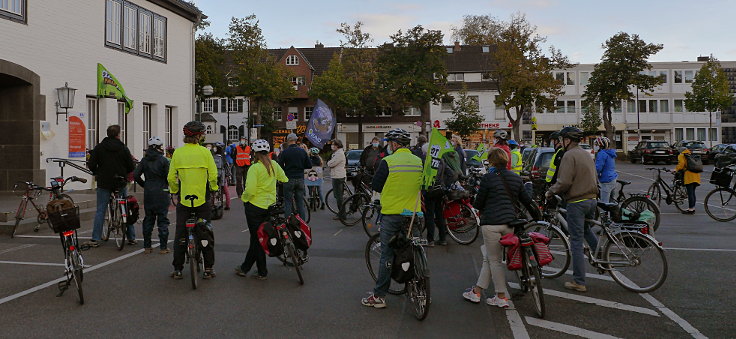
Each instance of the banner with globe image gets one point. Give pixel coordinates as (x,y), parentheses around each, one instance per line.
(321,124)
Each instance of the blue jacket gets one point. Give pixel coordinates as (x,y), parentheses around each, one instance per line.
(294,161)
(228,153)
(605,165)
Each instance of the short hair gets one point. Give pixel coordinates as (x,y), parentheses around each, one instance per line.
(113,131)
(337,143)
(498,158)
(457,139)
(421,139)
(376,139)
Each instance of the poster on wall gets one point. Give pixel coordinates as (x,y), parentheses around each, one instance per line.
(77,132)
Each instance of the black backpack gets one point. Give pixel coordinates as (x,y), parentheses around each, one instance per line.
(694,163)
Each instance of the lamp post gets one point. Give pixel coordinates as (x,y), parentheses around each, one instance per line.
(65,100)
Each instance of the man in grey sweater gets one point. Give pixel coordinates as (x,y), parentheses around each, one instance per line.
(577,183)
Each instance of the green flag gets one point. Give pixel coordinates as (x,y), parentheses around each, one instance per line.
(109,87)
(438,145)
(482,153)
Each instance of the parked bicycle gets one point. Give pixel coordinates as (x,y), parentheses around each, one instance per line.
(637,204)
(559,244)
(530,273)
(354,205)
(463,221)
(720,203)
(672,194)
(330,200)
(117,223)
(32,192)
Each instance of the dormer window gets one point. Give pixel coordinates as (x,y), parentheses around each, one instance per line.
(292,60)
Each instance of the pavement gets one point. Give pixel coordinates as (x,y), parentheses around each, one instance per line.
(129,293)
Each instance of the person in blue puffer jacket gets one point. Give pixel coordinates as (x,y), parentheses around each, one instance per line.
(605,166)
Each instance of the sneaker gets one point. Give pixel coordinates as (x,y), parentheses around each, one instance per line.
(373,301)
(209,274)
(164,251)
(132,242)
(239,271)
(496,301)
(227,208)
(147,250)
(471,296)
(91,243)
(176,275)
(259,277)
(442,242)
(570,285)
(322,207)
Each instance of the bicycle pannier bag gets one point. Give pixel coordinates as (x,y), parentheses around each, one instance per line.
(133,210)
(544,256)
(721,177)
(268,237)
(402,268)
(694,163)
(513,251)
(204,232)
(301,231)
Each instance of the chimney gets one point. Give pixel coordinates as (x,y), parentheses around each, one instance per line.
(703,58)
(457,46)
(318,45)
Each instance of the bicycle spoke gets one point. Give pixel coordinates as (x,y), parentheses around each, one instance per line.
(636,262)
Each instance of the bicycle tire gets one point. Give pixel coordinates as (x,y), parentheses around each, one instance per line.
(78,274)
(19,214)
(465,230)
(107,224)
(297,266)
(623,276)
(353,208)
(373,253)
(679,197)
(421,298)
(309,212)
(728,213)
(193,265)
(559,246)
(655,193)
(331,202)
(369,219)
(639,203)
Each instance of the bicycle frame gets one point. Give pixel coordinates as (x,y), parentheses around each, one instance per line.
(610,234)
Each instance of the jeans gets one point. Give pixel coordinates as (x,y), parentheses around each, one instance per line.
(577,212)
(159,215)
(240,174)
(180,240)
(103,198)
(691,194)
(433,216)
(607,189)
(492,253)
(390,225)
(338,186)
(255,216)
(294,192)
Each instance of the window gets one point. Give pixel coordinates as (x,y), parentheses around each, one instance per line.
(662,75)
(292,60)
(680,106)
(123,122)
(308,112)
(570,78)
(690,133)
(223,105)
(684,76)
(678,134)
(701,134)
(664,106)
(209,105)
(459,77)
(678,77)
(13,9)
(447,105)
(113,11)
(144,32)
(133,29)
(713,135)
(92,118)
(642,106)
(235,105)
(297,81)
(295,112)
(146,123)
(169,125)
(277,115)
(208,129)
(159,37)
(500,113)
(617,107)
(584,78)
(689,76)
(631,106)
(232,133)
(412,112)
(449,50)
(489,76)
(560,107)
(384,112)
(653,106)
(571,106)
(129,26)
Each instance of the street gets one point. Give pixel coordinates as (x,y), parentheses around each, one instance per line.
(130,294)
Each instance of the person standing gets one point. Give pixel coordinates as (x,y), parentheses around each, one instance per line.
(316,179)
(420,149)
(555,142)
(605,166)
(242,163)
(516,164)
(223,171)
(259,194)
(338,175)
(457,141)
(294,160)
(576,182)
(154,167)
(690,179)
(501,142)
(369,157)
(110,162)
(229,151)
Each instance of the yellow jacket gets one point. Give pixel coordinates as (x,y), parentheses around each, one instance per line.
(260,186)
(690,177)
(193,166)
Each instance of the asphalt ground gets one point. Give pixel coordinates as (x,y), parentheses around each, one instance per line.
(129,293)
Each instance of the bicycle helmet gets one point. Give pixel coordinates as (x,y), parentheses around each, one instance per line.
(155,141)
(501,134)
(572,133)
(261,145)
(513,142)
(398,135)
(554,135)
(603,142)
(314,150)
(219,144)
(194,128)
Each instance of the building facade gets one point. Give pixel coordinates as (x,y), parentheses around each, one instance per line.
(148,45)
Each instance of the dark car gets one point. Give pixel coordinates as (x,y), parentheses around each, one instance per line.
(469,161)
(537,163)
(653,151)
(696,147)
(352,162)
(720,149)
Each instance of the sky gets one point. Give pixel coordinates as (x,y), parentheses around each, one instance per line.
(687,29)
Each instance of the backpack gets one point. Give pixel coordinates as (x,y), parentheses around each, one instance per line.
(694,163)
(204,232)
(301,231)
(270,240)
(402,267)
(133,210)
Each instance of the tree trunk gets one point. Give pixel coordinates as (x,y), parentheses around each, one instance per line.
(425,116)
(608,123)
(514,125)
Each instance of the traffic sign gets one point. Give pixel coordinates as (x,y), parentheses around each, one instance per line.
(291,124)
(290,117)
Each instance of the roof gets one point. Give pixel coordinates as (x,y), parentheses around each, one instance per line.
(183,8)
(207,117)
(465,58)
(318,57)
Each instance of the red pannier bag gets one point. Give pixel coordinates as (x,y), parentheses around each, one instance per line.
(541,241)
(301,231)
(452,210)
(513,251)
(270,240)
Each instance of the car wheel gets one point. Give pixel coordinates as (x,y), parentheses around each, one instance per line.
(632,159)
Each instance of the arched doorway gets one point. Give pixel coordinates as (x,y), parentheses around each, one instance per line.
(21,110)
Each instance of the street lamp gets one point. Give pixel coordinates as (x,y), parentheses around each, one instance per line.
(65,100)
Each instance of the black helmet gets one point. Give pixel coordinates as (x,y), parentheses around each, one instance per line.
(193,128)
(554,135)
(398,135)
(572,133)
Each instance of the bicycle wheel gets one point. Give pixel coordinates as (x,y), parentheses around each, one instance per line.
(78,274)
(559,246)
(373,262)
(720,204)
(193,265)
(535,283)
(464,228)
(309,212)
(297,266)
(369,218)
(353,208)
(655,193)
(419,290)
(640,204)
(331,202)
(636,262)
(116,229)
(19,214)
(679,197)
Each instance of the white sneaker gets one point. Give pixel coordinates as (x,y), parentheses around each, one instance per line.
(496,301)
(469,295)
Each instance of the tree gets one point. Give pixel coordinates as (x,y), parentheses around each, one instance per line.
(411,70)
(521,69)
(710,91)
(591,120)
(209,60)
(621,67)
(465,117)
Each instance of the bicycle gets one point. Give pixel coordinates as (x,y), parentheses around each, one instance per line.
(559,244)
(194,251)
(32,192)
(280,201)
(290,255)
(723,207)
(117,224)
(313,183)
(416,289)
(463,222)
(530,273)
(354,206)
(637,203)
(674,194)
(218,203)
(371,217)
(331,202)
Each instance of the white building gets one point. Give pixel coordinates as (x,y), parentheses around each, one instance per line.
(147,45)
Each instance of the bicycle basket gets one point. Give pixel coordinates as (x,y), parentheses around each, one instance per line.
(721,177)
(64,220)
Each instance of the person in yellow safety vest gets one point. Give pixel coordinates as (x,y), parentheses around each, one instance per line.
(556,158)
(399,180)
(242,163)
(515,157)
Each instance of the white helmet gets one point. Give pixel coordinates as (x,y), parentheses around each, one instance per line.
(155,141)
(261,145)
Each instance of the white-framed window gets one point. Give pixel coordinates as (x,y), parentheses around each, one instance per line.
(92,119)
(617,107)
(13,9)
(235,105)
(455,77)
(566,78)
(560,106)
(159,36)
(685,76)
(631,106)
(384,112)
(146,123)
(713,135)
(292,60)
(412,112)
(232,133)
(295,112)
(297,81)
(680,106)
(690,133)
(130,25)
(664,106)
(447,104)
(308,112)
(277,114)
(208,105)
(449,50)
(572,106)
(113,12)
(500,113)
(584,78)
(654,106)
(122,122)
(679,134)
(208,129)
(145,31)
(169,111)
(701,134)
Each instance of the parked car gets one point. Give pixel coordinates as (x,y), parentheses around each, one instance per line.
(472,163)
(352,162)
(696,147)
(720,149)
(534,169)
(653,151)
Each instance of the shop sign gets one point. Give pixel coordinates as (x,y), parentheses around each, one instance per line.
(77,133)
(487,125)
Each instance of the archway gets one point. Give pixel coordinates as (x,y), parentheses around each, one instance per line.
(21,110)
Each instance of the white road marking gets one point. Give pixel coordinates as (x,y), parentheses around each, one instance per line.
(515,322)
(566,328)
(338,232)
(676,318)
(700,249)
(245,230)
(599,302)
(16,248)
(45,237)
(33,263)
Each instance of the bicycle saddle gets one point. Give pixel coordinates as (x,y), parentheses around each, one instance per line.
(608,207)
(191,197)
(623,182)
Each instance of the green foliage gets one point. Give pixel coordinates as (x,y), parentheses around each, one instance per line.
(710,91)
(208,64)
(465,117)
(591,120)
(622,64)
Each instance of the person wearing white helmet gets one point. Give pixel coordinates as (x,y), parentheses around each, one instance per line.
(502,137)
(259,194)
(151,174)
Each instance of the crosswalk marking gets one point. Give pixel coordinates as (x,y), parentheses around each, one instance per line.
(581,332)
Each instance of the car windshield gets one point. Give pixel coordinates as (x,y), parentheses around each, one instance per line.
(662,144)
(695,145)
(354,155)
(584,146)
(544,159)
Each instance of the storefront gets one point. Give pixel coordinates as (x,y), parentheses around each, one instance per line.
(348,133)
